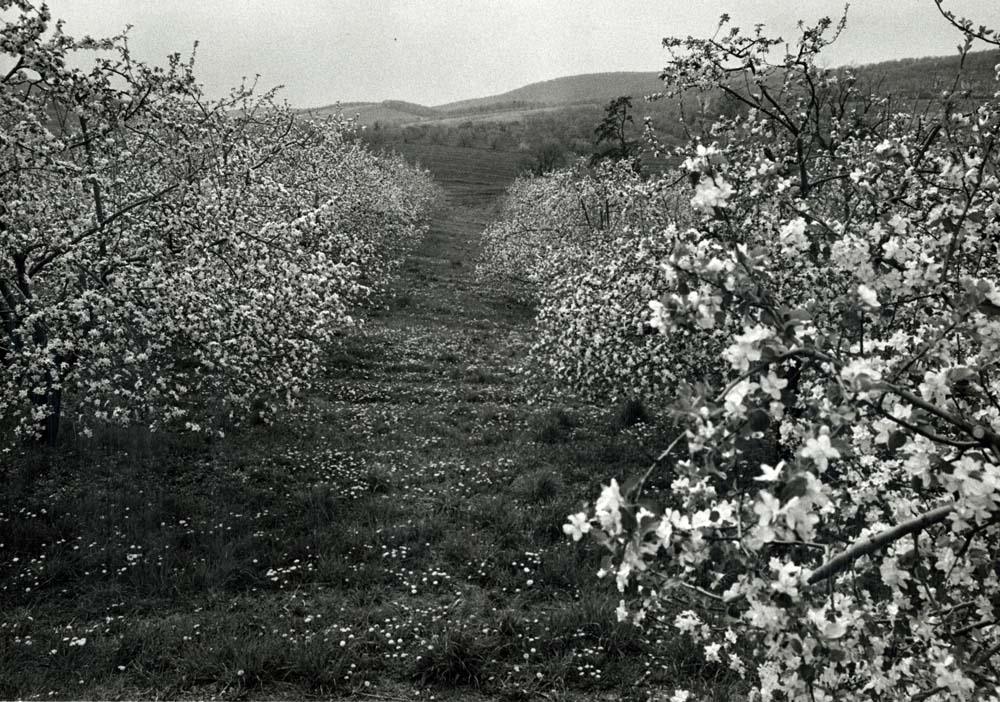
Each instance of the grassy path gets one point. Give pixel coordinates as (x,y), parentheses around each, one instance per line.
(398,538)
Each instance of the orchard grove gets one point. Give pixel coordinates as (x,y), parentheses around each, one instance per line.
(169,260)
(810,290)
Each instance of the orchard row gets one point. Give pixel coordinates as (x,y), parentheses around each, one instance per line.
(171,260)
(822,273)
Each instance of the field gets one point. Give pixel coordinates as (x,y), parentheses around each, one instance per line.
(399,537)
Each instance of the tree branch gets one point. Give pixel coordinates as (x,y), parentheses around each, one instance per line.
(990,36)
(874,543)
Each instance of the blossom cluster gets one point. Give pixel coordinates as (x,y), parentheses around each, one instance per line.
(170,259)
(828,520)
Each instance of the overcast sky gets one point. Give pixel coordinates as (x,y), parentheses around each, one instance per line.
(437,51)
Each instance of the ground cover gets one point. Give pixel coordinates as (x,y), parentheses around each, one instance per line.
(399,537)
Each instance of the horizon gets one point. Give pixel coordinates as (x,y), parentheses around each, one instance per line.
(443,51)
(600,73)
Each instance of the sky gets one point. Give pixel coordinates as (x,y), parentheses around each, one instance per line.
(438,51)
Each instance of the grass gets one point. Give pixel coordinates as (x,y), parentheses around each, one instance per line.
(553,426)
(398,537)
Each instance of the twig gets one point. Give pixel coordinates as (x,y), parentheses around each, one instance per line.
(987,654)
(804,544)
(972,627)
(929,693)
(703,592)
(649,471)
(965,26)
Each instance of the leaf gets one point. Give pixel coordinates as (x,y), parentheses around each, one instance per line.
(897,440)
(628,519)
(835,392)
(716,553)
(796,487)
(961,374)
(782,599)
(648,524)
(759,420)
(989,309)
(650,505)
(630,485)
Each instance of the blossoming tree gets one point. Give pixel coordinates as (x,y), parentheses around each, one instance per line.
(583,244)
(166,258)
(828,521)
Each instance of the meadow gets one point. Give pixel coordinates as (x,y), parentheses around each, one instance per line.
(399,536)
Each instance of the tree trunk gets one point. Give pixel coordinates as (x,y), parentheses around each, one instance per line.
(51,401)
(50,432)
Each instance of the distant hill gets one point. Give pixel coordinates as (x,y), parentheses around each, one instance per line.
(907,79)
(571,90)
(387,112)
(590,89)
(921,78)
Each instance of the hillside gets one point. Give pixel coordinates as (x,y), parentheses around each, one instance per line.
(388,112)
(587,88)
(921,78)
(914,78)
